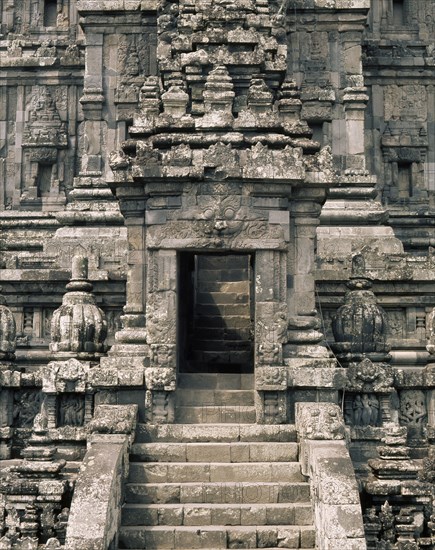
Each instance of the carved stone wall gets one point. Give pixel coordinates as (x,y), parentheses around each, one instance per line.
(223,131)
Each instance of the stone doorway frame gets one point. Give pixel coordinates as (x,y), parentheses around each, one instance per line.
(270,323)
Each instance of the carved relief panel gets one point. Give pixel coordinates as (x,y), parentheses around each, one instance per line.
(45,135)
(27,404)
(413,412)
(404,143)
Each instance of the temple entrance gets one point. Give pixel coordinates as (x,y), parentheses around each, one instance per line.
(216,313)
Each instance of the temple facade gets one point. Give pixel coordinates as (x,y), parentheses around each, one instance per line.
(217,307)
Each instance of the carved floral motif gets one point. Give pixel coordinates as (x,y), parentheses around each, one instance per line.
(161,317)
(367,377)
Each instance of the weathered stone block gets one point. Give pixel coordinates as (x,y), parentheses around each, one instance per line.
(197,516)
(254,515)
(246,538)
(228,515)
(200,538)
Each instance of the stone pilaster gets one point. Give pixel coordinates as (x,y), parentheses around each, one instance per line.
(131,339)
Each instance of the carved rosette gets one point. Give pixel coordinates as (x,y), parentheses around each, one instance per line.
(79,325)
(360,325)
(8,333)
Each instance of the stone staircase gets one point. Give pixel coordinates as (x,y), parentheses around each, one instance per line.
(216,485)
(215,399)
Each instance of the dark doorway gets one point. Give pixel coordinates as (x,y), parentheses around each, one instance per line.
(215,313)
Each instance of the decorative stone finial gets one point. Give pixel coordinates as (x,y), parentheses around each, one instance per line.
(149,96)
(8,332)
(360,325)
(219,90)
(259,96)
(218,99)
(175,101)
(79,325)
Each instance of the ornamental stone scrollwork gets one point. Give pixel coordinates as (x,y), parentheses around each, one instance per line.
(78,327)
(163,355)
(368,377)
(161,318)
(274,407)
(269,353)
(159,407)
(160,378)
(271,378)
(405,102)
(320,421)
(65,376)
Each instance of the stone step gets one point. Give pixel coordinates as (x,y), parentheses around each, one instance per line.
(191,537)
(216,381)
(189,433)
(216,452)
(212,414)
(219,493)
(196,397)
(184,472)
(217,514)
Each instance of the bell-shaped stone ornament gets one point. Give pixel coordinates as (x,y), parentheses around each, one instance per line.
(78,325)
(360,325)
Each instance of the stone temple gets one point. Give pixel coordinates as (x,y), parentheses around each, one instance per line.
(217,310)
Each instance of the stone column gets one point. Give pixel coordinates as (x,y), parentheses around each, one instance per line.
(305,219)
(131,340)
(9,378)
(270,333)
(91,200)
(355,100)
(304,339)
(161,315)
(311,370)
